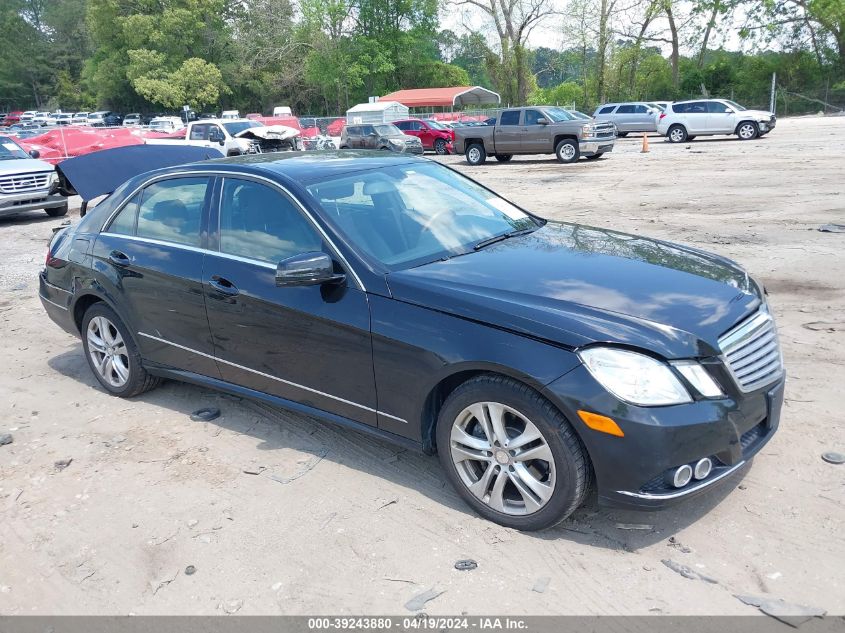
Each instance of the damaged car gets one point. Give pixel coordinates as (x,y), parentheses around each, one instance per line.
(236,137)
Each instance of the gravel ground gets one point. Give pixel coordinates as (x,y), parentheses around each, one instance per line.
(362,527)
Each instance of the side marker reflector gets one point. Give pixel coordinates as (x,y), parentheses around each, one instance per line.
(601,423)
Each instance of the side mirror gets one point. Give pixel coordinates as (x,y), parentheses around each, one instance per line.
(542,121)
(222,142)
(307,269)
(729,111)
(34,153)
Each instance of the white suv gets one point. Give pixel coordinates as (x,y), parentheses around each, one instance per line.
(684,120)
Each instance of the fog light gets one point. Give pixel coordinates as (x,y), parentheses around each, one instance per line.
(681,476)
(703,468)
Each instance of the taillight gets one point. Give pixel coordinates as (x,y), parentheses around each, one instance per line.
(49,257)
(662,114)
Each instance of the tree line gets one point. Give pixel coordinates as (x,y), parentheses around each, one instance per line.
(323,56)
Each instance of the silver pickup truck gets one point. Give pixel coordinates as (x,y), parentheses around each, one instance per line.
(25,183)
(535,130)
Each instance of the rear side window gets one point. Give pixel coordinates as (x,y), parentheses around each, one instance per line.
(124,222)
(625,109)
(171,210)
(259,222)
(607,110)
(510,117)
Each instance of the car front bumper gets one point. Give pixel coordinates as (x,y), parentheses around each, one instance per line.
(766,126)
(11,203)
(631,470)
(590,147)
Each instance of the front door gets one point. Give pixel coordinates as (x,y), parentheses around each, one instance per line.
(308,344)
(151,253)
(536,136)
(720,118)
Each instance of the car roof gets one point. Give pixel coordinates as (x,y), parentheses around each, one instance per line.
(306,167)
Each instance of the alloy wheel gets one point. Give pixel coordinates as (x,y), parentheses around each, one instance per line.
(747,131)
(108,352)
(502,458)
(474,155)
(676,135)
(440,146)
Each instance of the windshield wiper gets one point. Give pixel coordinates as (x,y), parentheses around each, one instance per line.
(502,237)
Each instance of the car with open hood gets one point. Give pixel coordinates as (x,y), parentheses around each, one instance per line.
(390,294)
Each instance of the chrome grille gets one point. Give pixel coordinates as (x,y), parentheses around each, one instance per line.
(21,183)
(605,130)
(752,352)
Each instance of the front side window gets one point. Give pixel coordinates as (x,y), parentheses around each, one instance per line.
(532,116)
(409,214)
(716,107)
(510,117)
(640,109)
(625,109)
(171,210)
(259,222)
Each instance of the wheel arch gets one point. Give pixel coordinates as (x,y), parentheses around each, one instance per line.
(561,137)
(472,141)
(447,383)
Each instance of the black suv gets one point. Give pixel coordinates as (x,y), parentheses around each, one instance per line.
(379,136)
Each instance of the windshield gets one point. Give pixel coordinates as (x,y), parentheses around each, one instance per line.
(579,115)
(735,105)
(388,130)
(10,150)
(558,114)
(434,125)
(407,215)
(240,126)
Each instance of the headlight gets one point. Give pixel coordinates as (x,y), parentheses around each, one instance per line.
(588,129)
(634,377)
(699,378)
(53,178)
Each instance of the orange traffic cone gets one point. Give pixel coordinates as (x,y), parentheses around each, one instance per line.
(644,150)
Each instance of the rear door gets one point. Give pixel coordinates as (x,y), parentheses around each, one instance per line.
(151,259)
(308,344)
(696,117)
(507,135)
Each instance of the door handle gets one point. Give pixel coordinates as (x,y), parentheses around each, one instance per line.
(119,259)
(223,286)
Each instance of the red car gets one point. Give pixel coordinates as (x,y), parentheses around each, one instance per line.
(433,135)
(12,118)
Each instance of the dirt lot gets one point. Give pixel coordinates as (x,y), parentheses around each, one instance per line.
(361,527)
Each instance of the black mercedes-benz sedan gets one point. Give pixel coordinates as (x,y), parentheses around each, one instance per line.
(391,294)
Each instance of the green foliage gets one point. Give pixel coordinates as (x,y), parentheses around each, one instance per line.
(565,94)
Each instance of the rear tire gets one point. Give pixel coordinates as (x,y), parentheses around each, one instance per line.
(621,134)
(529,493)
(112,354)
(677,134)
(595,156)
(690,138)
(504,158)
(567,151)
(57,212)
(475,154)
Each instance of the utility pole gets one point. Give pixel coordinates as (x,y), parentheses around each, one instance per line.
(772,103)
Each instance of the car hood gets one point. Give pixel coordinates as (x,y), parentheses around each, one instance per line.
(575,285)
(757,114)
(23,166)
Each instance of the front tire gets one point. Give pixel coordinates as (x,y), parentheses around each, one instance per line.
(510,454)
(57,212)
(112,353)
(747,131)
(440,147)
(567,151)
(475,154)
(677,134)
